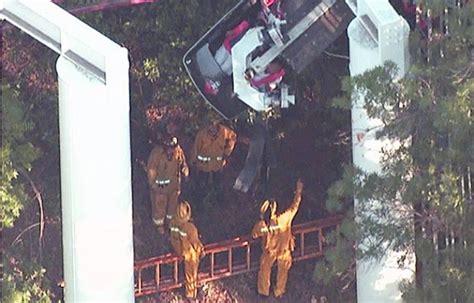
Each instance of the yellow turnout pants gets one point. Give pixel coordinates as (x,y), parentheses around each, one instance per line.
(163,203)
(284,262)
(191,265)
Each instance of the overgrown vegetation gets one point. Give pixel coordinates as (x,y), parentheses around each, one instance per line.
(422,201)
(23,279)
(157,35)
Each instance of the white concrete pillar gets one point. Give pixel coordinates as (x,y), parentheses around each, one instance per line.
(377,34)
(96,183)
(95,150)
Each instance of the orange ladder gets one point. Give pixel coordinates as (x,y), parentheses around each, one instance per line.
(228,258)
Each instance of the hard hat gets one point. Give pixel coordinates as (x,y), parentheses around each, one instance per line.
(268,205)
(170,141)
(264,207)
(183,211)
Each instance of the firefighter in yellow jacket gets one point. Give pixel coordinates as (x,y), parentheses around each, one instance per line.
(166,165)
(186,243)
(277,242)
(212,146)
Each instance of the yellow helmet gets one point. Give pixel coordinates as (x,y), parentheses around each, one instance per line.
(266,205)
(170,141)
(183,211)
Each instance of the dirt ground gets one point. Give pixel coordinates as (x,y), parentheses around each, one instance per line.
(300,288)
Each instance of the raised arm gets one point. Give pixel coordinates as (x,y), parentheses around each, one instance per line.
(290,213)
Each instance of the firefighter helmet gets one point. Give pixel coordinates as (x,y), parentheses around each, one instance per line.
(183,211)
(268,207)
(170,141)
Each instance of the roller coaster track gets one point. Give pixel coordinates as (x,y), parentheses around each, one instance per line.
(82,7)
(229,258)
(91,6)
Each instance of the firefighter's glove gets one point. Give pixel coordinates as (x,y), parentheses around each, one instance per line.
(299,186)
(225,160)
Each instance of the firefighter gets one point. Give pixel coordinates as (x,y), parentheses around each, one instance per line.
(166,165)
(186,243)
(277,242)
(212,146)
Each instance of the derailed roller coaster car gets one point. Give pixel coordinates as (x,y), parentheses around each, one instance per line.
(261,52)
(241,60)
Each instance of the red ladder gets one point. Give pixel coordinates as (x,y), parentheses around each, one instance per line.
(228,258)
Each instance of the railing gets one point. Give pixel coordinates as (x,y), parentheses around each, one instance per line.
(229,258)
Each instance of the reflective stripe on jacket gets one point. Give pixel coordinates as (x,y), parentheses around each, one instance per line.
(162,171)
(208,153)
(207,159)
(178,231)
(277,237)
(185,239)
(163,182)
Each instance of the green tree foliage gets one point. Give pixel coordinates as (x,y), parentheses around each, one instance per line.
(22,277)
(30,207)
(23,281)
(16,153)
(422,200)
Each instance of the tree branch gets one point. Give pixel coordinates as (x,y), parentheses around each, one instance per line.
(41,210)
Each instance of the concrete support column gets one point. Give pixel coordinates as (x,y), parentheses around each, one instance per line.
(96,183)
(377,34)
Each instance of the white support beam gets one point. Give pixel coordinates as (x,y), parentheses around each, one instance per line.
(376,35)
(63,33)
(94,149)
(96,192)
